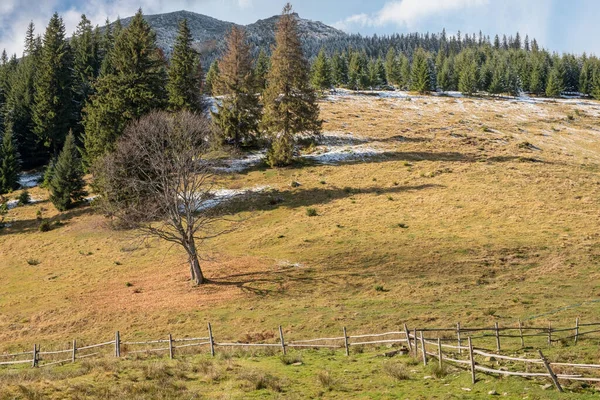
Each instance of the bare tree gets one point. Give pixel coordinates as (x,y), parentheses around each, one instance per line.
(159,180)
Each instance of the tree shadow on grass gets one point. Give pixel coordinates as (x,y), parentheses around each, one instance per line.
(297,198)
(56,222)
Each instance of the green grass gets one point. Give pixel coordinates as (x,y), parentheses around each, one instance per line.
(497,240)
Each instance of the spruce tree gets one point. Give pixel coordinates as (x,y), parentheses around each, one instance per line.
(185,73)
(595,84)
(404,71)
(211,78)
(321,78)
(135,87)
(446,75)
(86,66)
(19,105)
(261,70)
(467,80)
(67,184)
(555,85)
(52,109)
(9,164)
(420,77)
(290,102)
(392,68)
(358,71)
(239,112)
(340,70)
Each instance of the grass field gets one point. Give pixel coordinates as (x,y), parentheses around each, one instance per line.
(460,209)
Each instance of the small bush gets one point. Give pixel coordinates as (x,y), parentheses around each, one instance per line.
(403,226)
(323,183)
(485,128)
(396,370)
(326,380)
(390,198)
(24,198)
(295,184)
(311,212)
(570,117)
(128,284)
(289,359)
(379,288)
(33,262)
(439,372)
(38,215)
(3,208)
(261,380)
(45,226)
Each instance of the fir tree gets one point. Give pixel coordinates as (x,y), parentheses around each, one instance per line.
(467,80)
(340,69)
(211,79)
(136,87)
(239,113)
(185,79)
(290,102)
(86,66)
(321,78)
(420,78)
(9,164)
(358,76)
(404,71)
(446,75)
(67,184)
(392,68)
(52,109)
(595,84)
(261,70)
(555,84)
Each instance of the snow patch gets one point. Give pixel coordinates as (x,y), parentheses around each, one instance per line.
(30,180)
(242,164)
(14,203)
(217,197)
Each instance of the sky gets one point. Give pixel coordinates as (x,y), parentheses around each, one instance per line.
(558,25)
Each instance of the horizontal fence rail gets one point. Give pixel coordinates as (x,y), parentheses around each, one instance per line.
(414,341)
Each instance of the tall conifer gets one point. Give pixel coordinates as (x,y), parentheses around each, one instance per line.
(67,184)
(290,102)
(9,164)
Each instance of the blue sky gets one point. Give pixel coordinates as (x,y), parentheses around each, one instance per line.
(559,25)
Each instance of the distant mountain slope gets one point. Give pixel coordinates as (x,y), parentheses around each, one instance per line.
(209,33)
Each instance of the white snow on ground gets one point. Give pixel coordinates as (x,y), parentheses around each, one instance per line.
(14,203)
(217,197)
(336,147)
(242,164)
(30,180)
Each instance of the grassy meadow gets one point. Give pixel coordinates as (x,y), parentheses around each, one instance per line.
(441,210)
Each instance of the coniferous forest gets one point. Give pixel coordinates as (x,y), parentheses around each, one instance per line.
(81,92)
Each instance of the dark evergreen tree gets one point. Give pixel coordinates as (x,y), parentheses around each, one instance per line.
(10,165)
(239,112)
(67,185)
(321,78)
(185,73)
(340,69)
(446,75)
(261,70)
(136,87)
(555,84)
(420,78)
(467,80)
(358,71)
(290,102)
(392,68)
(52,108)
(86,66)
(211,78)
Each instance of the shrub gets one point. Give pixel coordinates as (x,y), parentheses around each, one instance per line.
(325,379)
(379,288)
(439,371)
(38,215)
(311,212)
(261,380)
(289,359)
(33,262)
(24,198)
(45,226)
(3,208)
(396,370)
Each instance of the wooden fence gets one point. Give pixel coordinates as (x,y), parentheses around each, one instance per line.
(421,343)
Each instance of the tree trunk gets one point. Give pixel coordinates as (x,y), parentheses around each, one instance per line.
(195,270)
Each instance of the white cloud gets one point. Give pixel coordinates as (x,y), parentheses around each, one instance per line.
(407,13)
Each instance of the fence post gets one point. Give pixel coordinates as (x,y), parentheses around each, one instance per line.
(440,355)
(458,336)
(117,344)
(576,329)
(34,362)
(472,359)
(521,333)
(423,349)
(282,341)
(497,338)
(552,375)
(549,334)
(74,350)
(407,333)
(211,341)
(346,342)
(416,343)
(170,346)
